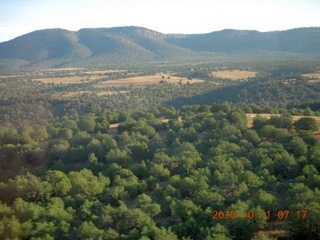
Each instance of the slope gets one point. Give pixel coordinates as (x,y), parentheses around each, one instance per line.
(301,40)
(134,45)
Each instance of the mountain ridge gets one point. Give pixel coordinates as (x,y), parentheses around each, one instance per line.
(133,44)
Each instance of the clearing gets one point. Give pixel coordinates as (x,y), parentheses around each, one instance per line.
(146,80)
(312,77)
(80,93)
(234,75)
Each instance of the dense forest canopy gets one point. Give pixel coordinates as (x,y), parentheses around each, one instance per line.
(83,156)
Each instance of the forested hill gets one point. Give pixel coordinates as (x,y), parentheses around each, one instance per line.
(88,47)
(300,40)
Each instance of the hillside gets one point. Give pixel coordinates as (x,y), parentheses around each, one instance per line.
(271,92)
(95,47)
(58,47)
(301,40)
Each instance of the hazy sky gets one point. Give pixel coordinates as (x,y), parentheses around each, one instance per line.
(18,17)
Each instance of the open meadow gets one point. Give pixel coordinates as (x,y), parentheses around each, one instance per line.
(146,80)
(234,75)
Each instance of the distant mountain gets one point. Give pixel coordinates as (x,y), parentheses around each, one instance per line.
(300,40)
(89,47)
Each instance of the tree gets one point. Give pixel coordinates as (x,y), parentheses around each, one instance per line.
(309,124)
(81,138)
(283,121)
(92,158)
(119,156)
(307,227)
(206,198)
(87,230)
(30,187)
(298,147)
(87,123)
(259,122)
(285,165)
(266,200)
(241,227)
(9,136)
(61,217)
(159,171)
(224,107)
(144,202)
(252,136)
(102,124)
(59,181)
(218,232)
(186,156)
(107,141)
(84,182)
(262,237)
(184,210)
(238,118)
(251,179)
(10,228)
(314,156)
(96,147)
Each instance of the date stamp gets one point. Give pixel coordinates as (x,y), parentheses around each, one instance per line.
(251,214)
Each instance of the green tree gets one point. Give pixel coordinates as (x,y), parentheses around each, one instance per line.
(59,181)
(88,230)
(159,171)
(144,202)
(309,124)
(30,187)
(250,179)
(252,136)
(184,210)
(85,182)
(266,200)
(186,156)
(119,156)
(87,123)
(238,118)
(298,147)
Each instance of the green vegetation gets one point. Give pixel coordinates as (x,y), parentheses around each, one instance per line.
(68,178)
(155,162)
(111,47)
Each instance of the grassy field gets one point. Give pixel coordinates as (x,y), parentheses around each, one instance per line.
(104,71)
(313,77)
(79,93)
(234,75)
(146,80)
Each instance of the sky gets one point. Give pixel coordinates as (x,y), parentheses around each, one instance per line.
(18,17)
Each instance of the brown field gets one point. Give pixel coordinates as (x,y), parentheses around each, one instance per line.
(234,74)
(313,77)
(104,71)
(68,80)
(106,93)
(10,76)
(146,80)
(60,69)
(79,93)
